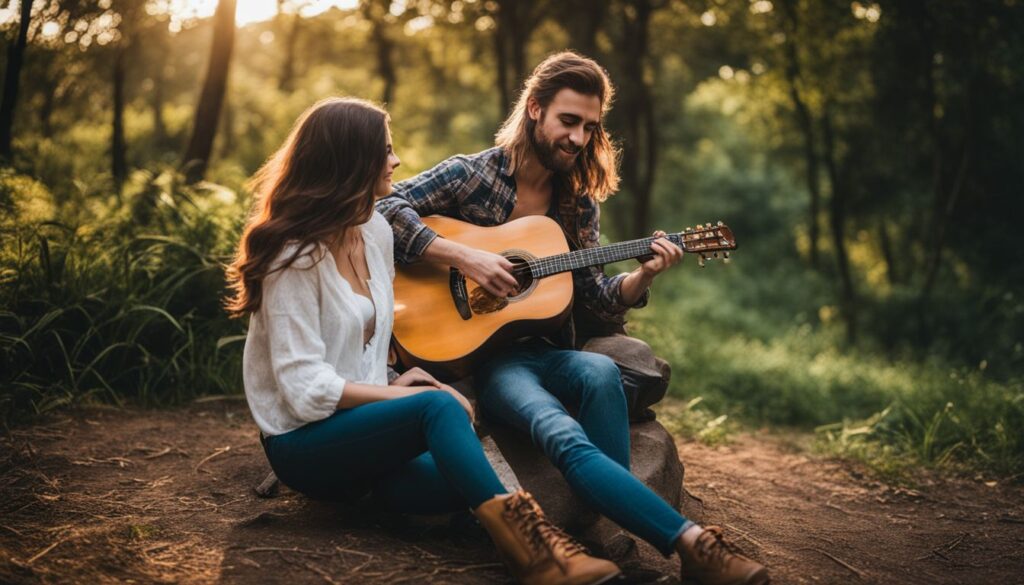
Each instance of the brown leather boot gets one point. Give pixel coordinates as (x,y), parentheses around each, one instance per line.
(536,551)
(712,561)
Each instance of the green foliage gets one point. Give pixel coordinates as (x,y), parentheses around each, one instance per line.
(116,301)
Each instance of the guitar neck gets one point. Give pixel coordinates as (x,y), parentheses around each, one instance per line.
(632,249)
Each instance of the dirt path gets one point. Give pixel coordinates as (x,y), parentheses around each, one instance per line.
(111,496)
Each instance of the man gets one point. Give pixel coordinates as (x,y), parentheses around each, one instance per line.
(552,157)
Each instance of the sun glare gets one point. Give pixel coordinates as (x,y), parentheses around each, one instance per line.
(249,11)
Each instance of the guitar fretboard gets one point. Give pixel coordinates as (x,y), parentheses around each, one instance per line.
(596,256)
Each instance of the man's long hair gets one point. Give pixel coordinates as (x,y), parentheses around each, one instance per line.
(316,186)
(596,170)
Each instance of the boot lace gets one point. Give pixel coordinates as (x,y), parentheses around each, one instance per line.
(543,536)
(712,548)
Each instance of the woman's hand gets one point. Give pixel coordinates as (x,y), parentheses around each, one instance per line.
(424,382)
(462,400)
(403,391)
(416,376)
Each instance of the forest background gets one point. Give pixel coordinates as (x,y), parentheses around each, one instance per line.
(866,154)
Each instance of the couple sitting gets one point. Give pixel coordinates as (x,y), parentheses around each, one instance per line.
(314,271)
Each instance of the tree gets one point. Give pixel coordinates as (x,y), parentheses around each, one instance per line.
(636,112)
(515,21)
(376,12)
(15,57)
(200,147)
(291,37)
(804,120)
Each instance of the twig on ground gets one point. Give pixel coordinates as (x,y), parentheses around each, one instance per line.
(350,551)
(940,550)
(283,549)
(309,566)
(40,554)
(749,538)
(838,560)
(159,453)
(425,553)
(270,486)
(215,453)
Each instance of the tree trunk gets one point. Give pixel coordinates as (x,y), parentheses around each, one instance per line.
(518,36)
(639,157)
(806,123)
(284,82)
(227,131)
(385,63)
(118,145)
(837,221)
(514,23)
(200,147)
(501,66)
(941,223)
(944,199)
(15,57)
(583,19)
(887,253)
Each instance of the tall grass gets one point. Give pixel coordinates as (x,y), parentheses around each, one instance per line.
(115,299)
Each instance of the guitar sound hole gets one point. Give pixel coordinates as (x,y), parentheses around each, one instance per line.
(482,302)
(524,278)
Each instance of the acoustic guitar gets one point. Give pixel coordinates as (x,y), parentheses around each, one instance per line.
(445,322)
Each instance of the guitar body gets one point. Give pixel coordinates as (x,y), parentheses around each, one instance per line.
(430,332)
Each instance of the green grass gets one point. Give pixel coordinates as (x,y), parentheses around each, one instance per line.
(116,301)
(741,347)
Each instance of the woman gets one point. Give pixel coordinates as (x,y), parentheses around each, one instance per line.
(314,270)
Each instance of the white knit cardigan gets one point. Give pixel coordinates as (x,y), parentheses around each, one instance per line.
(306,340)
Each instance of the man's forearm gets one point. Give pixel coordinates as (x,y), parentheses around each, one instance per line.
(633,286)
(445,252)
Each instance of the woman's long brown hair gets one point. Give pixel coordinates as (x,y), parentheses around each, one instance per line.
(316,186)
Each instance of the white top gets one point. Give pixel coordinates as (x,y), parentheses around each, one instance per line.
(306,340)
(366,311)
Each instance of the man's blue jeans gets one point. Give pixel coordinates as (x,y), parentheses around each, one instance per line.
(417,455)
(532,386)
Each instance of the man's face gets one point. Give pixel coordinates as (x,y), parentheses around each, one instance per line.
(564,128)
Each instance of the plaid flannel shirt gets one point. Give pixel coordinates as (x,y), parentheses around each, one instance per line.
(480,189)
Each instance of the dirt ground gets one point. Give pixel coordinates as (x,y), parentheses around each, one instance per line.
(101,496)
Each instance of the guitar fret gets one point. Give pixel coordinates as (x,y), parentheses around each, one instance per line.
(617,252)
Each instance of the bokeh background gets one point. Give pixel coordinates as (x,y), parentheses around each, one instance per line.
(868,156)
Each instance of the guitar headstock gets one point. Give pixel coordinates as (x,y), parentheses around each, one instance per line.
(707,241)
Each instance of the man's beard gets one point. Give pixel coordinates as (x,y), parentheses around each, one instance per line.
(547,151)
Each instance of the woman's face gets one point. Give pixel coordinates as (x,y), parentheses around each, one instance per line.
(383,186)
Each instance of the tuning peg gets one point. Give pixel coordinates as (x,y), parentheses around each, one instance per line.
(726,255)
(720,224)
(715,254)
(707,225)
(700,260)
(689,229)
